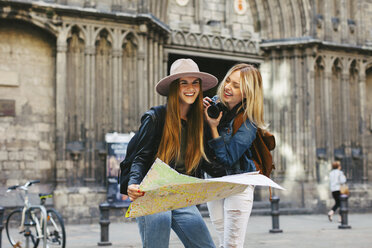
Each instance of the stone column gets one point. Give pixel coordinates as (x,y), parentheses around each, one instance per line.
(298,122)
(277,109)
(150,65)
(328,30)
(156,69)
(199,12)
(116,55)
(344,29)
(126,92)
(345,101)
(285,121)
(362,36)
(60,112)
(363,132)
(164,71)
(309,117)
(90,139)
(143,69)
(89,51)
(160,67)
(327,108)
(120,91)
(89,70)
(229,13)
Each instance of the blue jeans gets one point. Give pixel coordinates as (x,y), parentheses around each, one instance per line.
(186,222)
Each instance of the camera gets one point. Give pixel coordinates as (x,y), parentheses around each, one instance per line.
(214,110)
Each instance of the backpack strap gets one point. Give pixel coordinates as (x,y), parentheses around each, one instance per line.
(260,148)
(157,114)
(238,121)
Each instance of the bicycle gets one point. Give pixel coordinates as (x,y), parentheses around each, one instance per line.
(26,225)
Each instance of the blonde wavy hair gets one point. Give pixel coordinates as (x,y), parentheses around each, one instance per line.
(170,144)
(252,91)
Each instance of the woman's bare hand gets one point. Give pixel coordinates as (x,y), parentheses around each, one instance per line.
(213,123)
(134,192)
(206,102)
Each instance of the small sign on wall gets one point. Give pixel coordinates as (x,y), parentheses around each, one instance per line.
(7,108)
(9,78)
(116,151)
(240,6)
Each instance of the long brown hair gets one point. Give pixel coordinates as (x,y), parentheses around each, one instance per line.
(251,89)
(170,144)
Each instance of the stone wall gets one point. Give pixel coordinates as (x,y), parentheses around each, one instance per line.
(79,205)
(27,140)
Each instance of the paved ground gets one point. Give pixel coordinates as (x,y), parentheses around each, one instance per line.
(313,231)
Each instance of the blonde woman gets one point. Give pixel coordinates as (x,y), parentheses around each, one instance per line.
(180,144)
(240,92)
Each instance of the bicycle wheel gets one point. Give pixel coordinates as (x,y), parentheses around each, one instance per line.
(56,234)
(17,235)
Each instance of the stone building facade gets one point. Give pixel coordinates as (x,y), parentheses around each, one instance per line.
(73,70)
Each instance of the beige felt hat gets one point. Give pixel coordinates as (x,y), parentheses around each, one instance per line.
(185,68)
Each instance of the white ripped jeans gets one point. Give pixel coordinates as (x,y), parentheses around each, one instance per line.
(230,218)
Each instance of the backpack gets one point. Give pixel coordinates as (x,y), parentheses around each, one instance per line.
(260,148)
(158,115)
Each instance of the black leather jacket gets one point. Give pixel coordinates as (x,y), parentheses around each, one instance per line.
(149,136)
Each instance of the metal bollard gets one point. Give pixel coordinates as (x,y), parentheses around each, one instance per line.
(275,215)
(343,211)
(104,221)
(1,223)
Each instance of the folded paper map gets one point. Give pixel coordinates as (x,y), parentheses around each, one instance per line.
(166,189)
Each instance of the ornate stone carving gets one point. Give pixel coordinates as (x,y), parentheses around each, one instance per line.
(214,42)
(335,23)
(228,45)
(179,39)
(192,40)
(352,25)
(204,42)
(319,21)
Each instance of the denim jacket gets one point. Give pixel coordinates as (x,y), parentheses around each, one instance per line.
(230,149)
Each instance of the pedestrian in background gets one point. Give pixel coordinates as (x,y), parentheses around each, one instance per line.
(336,179)
(241,93)
(180,144)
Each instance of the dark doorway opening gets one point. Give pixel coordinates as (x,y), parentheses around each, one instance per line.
(216,67)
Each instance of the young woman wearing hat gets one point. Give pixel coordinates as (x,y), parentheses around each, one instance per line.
(240,92)
(181,146)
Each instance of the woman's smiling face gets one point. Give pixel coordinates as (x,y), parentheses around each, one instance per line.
(188,90)
(232,94)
